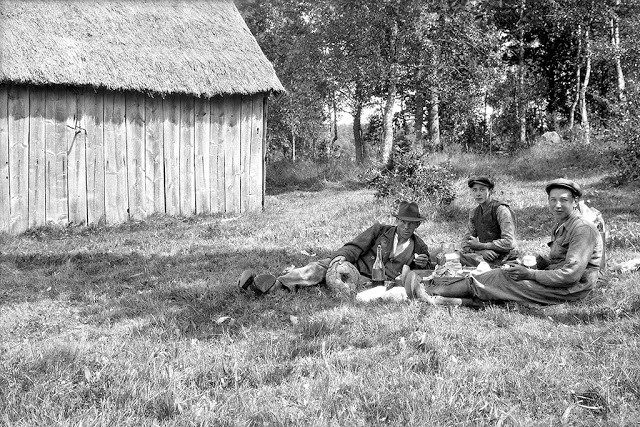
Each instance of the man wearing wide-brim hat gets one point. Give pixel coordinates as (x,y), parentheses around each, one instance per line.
(354,261)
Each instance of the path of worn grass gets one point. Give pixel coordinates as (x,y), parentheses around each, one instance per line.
(120,326)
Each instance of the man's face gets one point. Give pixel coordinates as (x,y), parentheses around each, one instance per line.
(480,193)
(561,203)
(406,228)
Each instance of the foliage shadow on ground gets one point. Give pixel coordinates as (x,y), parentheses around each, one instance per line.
(189,291)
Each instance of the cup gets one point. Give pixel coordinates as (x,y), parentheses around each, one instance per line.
(529,261)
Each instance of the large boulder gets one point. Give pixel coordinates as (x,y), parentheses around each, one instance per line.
(551,138)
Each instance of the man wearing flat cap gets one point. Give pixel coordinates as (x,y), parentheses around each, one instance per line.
(491,228)
(399,243)
(567,274)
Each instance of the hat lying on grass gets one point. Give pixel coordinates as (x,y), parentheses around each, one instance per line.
(343,278)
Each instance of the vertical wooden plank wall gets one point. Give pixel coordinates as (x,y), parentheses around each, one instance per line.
(257,156)
(154,172)
(56,156)
(36,157)
(18,127)
(171,111)
(232,106)
(5,202)
(216,154)
(86,156)
(92,122)
(76,153)
(246,112)
(136,156)
(202,128)
(115,149)
(187,157)
(265,113)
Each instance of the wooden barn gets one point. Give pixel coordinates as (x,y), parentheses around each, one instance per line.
(114,110)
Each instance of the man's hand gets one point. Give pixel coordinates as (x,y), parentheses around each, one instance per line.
(339,258)
(421,260)
(489,255)
(517,272)
(475,244)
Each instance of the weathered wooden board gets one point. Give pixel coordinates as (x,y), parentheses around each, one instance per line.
(92,123)
(76,158)
(202,140)
(257,156)
(246,114)
(56,192)
(5,197)
(187,157)
(216,155)
(171,112)
(154,171)
(18,127)
(265,113)
(232,111)
(115,143)
(36,156)
(136,156)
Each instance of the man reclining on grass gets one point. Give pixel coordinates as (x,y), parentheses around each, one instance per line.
(567,274)
(400,247)
(491,231)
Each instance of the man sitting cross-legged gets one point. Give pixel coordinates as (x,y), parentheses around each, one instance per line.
(491,228)
(400,246)
(568,273)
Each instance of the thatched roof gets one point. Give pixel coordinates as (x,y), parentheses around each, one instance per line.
(195,47)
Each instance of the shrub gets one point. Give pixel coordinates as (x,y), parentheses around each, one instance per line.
(412,178)
(625,158)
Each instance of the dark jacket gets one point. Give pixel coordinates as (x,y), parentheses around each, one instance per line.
(486,222)
(361,251)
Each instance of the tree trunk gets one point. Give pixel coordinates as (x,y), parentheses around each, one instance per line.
(334,107)
(434,118)
(419,118)
(357,133)
(293,147)
(387,124)
(522,105)
(576,99)
(583,91)
(434,98)
(615,41)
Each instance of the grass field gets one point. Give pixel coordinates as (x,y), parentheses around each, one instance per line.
(141,324)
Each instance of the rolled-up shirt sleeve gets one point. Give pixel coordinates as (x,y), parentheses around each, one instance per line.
(565,274)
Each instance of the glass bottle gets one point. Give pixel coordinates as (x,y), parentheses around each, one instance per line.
(440,256)
(377,272)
